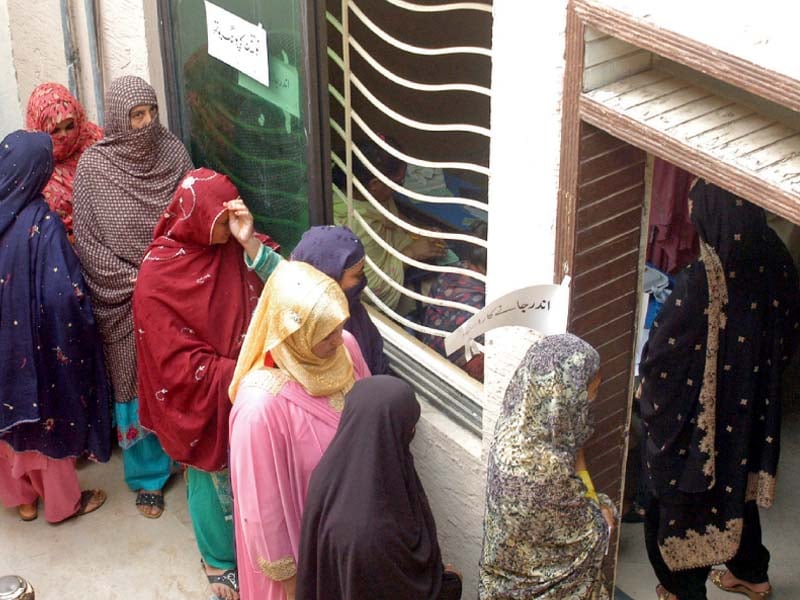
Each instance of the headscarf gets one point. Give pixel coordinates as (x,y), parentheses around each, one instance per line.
(542,537)
(50,104)
(299,307)
(333,250)
(368,531)
(191,308)
(711,379)
(123,184)
(53,391)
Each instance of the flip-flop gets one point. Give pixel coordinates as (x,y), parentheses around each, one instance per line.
(86,497)
(28,515)
(150,499)
(229,578)
(716,578)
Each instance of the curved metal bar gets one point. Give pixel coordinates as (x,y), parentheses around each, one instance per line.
(409,122)
(401,319)
(441,7)
(400,45)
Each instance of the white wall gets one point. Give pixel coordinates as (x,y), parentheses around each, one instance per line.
(11,117)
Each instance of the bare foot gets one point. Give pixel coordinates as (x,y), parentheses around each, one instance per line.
(728,580)
(220,590)
(147,503)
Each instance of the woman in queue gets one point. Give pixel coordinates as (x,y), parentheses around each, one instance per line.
(54,396)
(368,531)
(193,300)
(288,390)
(53,110)
(544,536)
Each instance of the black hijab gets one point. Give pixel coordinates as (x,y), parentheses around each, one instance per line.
(711,380)
(368,531)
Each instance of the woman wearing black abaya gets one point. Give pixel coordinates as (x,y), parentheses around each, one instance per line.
(710,401)
(368,531)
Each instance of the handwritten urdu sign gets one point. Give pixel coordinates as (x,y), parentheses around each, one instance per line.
(237,42)
(540,307)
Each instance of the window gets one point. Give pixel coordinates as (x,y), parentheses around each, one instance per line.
(266,139)
(409,106)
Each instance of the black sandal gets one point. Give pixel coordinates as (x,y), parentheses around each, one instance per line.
(229,578)
(150,499)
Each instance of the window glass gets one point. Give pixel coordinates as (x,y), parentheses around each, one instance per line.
(254,134)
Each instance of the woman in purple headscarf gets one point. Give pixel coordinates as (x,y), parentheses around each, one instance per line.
(337,252)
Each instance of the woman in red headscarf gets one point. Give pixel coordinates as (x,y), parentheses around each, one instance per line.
(52,109)
(196,290)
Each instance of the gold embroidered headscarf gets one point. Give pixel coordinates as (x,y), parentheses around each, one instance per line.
(299,307)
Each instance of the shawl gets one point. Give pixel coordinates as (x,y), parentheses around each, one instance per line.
(387,547)
(191,308)
(711,378)
(123,184)
(299,307)
(542,537)
(50,104)
(53,390)
(333,250)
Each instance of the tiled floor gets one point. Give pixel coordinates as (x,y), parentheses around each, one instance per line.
(113,553)
(780,525)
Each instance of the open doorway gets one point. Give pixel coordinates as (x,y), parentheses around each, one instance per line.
(672,244)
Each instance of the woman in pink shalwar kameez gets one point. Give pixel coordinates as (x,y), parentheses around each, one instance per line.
(296,365)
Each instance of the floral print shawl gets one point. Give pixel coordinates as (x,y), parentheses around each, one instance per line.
(542,537)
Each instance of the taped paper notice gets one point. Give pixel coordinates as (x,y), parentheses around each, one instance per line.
(543,308)
(237,42)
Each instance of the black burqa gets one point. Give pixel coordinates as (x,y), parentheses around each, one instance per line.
(711,381)
(368,531)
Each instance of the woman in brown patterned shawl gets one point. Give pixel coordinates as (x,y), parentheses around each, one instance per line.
(710,401)
(122,185)
(543,537)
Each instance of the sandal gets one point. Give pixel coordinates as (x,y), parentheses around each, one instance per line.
(86,497)
(716,578)
(28,512)
(150,499)
(229,578)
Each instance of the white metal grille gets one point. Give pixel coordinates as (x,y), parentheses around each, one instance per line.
(353,15)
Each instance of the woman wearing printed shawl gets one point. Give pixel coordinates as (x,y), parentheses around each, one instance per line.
(544,535)
(710,401)
(288,388)
(52,109)
(54,398)
(122,186)
(191,307)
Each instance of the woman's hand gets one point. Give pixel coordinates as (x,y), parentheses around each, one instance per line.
(241,221)
(424,248)
(241,225)
(609,516)
(289,587)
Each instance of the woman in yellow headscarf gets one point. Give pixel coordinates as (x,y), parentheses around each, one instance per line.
(288,389)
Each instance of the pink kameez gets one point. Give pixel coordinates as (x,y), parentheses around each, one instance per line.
(277,437)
